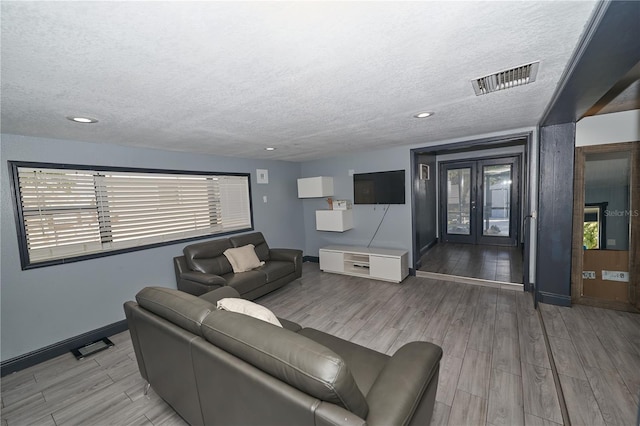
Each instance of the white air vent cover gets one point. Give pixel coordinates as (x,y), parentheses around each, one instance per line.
(518,76)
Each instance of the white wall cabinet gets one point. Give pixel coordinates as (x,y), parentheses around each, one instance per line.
(334,220)
(376,263)
(315,187)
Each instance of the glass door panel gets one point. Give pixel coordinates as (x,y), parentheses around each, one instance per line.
(479,201)
(496,200)
(459,201)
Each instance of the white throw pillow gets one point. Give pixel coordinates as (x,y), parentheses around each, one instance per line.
(246,307)
(243,258)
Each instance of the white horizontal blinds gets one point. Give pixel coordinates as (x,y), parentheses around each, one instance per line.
(60,213)
(74,212)
(144,208)
(236,208)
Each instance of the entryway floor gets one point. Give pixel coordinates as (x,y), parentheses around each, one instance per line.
(494,263)
(597,356)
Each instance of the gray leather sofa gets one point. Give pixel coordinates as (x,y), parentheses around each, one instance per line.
(203,267)
(217,367)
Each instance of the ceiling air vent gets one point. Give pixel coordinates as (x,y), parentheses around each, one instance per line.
(518,76)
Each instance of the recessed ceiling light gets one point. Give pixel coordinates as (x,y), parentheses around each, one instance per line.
(269,148)
(423,114)
(83,120)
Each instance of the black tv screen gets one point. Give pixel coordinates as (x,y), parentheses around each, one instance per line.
(379,188)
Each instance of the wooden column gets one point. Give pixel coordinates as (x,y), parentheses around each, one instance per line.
(555,214)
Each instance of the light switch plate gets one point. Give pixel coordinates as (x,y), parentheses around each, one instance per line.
(620,276)
(262,175)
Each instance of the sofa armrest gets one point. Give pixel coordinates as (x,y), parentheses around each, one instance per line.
(327,414)
(401,385)
(198,283)
(288,255)
(220,293)
(202,278)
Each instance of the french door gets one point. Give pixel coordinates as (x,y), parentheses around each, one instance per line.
(479,201)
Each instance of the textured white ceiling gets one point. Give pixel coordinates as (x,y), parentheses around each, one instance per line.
(312,79)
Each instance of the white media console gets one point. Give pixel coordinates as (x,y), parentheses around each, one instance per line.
(375,263)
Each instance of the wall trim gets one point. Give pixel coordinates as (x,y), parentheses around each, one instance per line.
(554,299)
(426,248)
(40,355)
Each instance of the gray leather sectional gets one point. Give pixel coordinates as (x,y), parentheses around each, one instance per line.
(203,267)
(217,367)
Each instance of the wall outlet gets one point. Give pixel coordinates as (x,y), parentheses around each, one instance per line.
(588,275)
(621,276)
(264,198)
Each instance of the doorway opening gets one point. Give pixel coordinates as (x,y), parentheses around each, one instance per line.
(606,226)
(469,216)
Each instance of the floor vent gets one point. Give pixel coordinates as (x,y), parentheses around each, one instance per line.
(507,79)
(92,348)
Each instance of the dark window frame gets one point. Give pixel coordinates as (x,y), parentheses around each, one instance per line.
(20,223)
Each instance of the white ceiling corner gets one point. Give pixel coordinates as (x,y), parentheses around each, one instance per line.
(313,79)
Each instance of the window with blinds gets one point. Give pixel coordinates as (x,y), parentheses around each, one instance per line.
(70,213)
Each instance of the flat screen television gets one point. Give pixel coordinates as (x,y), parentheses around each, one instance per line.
(379,187)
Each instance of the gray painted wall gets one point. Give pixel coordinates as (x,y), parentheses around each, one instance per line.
(43,306)
(395,231)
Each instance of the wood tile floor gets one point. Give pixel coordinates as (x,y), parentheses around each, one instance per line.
(105,388)
(493,263)
(597,355)
(495,370)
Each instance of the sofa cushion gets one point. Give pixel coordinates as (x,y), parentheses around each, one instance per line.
(288,356)
(207,257)
(365,364)
(246,281)
(226,291)
(246,307)
(255,238)
(183,309)
(243,258)
(276,269)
